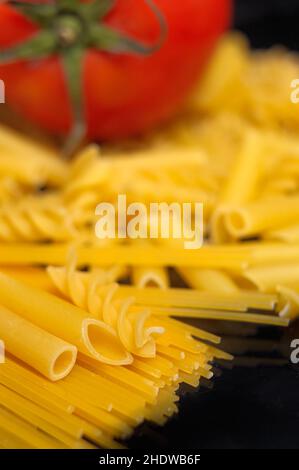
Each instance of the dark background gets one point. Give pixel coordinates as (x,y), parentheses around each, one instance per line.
(255,403)
(268,22)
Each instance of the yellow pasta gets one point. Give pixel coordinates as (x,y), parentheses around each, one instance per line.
(287,234)
(187,298)
(209,280)
(150,277)
(242,184)
(10,190)
(62,319)
(267,277)
(214,91)
(290,297)
(55,358)
(223,315)
(29,162)
(36,219)
(33,276)
(88,291)
(262,216)
(18,254)
(235,149)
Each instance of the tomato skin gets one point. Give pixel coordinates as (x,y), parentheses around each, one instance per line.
(124,94)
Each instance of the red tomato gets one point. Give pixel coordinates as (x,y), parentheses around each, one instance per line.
(124,94)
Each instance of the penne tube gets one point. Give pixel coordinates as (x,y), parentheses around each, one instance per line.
(35,277)
(219,232)
(267,278)
(267,253)
(150,277)
(286,235)
(242,184)
(262,216)
(62,319)
(208,280)
(48,354)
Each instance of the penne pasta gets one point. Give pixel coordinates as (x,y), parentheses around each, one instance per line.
(266,278)
(64,320)
(242,184)
(55,358)
(262,216)
(209,280)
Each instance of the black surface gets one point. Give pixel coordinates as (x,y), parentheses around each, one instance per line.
(256,406)
(251,406)
(268,22)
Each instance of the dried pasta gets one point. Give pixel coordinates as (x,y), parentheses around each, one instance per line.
(28,162)
(235,149)
(55,358)
(91,336)
(90,292)
(35,219)
(149,277)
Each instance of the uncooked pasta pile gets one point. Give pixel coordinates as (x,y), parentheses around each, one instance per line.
(94,328)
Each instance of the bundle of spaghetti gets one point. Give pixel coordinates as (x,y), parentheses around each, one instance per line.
(29,163)
(36,218)
(179,358)
(116,399)
(90,291)
(53,409)
(241,300)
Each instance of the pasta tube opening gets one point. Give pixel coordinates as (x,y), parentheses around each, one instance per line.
(63,363)
(103,343)
(44,352)
(237,223)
